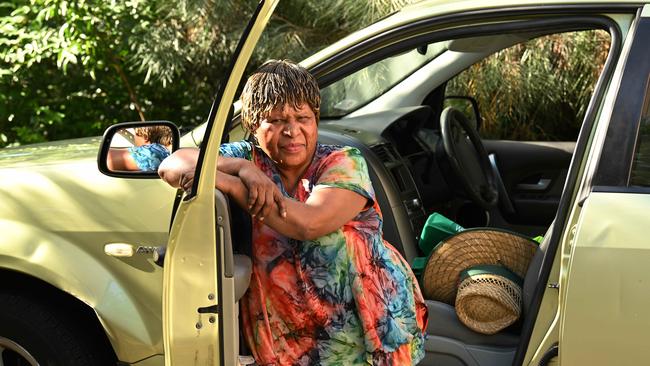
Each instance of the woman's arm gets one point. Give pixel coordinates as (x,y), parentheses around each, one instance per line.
(120,159)
(325,211)
(262,196)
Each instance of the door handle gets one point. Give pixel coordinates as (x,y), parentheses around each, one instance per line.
(541,185)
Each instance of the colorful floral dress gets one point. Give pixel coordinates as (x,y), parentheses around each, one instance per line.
(347,298)
(148,157)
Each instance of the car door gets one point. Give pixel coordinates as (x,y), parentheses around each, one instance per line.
(604,296)
(200,324)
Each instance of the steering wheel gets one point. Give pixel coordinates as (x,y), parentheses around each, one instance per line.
(468,158)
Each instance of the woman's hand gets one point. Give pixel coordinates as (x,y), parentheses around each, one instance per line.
(263,194)
(178,169)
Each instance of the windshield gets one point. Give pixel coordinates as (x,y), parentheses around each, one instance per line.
(361,87)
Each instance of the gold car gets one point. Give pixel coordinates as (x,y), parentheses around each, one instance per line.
(80,284)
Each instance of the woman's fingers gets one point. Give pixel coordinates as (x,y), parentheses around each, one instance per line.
(186,180)
(269,202)
(263,194)
(252,196)
(279,200)
(256,208)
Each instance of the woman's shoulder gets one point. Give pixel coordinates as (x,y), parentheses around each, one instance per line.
(325,150)
(237,149)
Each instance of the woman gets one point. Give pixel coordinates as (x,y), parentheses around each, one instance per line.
(326,289)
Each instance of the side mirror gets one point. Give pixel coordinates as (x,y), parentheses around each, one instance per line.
(136,149)
(467,105)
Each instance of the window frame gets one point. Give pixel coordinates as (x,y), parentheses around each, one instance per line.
(622,139)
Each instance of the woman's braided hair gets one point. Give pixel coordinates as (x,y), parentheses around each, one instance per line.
(274,84)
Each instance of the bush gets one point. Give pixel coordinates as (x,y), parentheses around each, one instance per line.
(542,86)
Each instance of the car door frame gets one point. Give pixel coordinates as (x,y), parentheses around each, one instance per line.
(200,325)
(599,239)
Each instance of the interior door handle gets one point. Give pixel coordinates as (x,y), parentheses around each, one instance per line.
(541,185)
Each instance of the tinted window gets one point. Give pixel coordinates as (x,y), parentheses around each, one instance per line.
(640,175)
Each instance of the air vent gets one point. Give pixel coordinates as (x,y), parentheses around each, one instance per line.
(385,152)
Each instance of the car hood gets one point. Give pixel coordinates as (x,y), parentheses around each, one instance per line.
(50,152)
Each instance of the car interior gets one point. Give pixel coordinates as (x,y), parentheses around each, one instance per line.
(425,154)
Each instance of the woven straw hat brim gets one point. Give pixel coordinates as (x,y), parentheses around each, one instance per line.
(488,303)
(471,248)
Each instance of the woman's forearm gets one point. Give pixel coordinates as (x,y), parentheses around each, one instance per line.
(232,166)
(303,221)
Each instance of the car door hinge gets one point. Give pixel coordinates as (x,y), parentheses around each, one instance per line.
(212,309)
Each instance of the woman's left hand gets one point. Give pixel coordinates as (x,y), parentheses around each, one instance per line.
(263,194)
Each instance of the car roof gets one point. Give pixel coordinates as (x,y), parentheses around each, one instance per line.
(430,8)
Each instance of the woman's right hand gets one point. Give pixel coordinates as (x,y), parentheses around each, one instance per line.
(263,194)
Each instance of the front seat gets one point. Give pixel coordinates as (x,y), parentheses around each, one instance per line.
(450,342)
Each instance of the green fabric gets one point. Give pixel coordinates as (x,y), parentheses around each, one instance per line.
(418,265)
(538,239)
(493,269)
(436,229)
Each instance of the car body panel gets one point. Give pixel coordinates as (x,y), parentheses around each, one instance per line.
(60,241)
(603,299)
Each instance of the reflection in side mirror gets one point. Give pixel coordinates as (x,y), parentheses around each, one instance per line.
(136,149)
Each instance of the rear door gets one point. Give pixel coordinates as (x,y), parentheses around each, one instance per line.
(200,322)
(604,298)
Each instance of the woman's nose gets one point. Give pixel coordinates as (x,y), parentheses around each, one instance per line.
(288,129)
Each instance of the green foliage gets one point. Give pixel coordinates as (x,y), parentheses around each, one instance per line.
(538,90)
(71,68)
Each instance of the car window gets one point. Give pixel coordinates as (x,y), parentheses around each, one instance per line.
(543,86)
(640,175)
(357,89)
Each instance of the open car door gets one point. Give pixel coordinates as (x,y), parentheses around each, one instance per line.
(200,324)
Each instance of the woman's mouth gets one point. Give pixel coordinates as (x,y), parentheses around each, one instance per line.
(293,148)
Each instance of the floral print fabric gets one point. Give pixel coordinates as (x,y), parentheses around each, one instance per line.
(148,157)
(347,298)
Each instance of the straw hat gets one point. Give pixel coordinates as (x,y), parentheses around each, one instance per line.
(480,272)
(488,298)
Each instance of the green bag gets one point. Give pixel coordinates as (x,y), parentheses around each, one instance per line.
(436,229)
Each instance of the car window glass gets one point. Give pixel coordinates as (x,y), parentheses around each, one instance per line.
(640,175)
(363,86)
(543,86)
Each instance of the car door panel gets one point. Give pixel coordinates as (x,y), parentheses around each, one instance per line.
(606,290)
(533,175)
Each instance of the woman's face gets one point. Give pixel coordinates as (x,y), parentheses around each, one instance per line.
(288,135)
